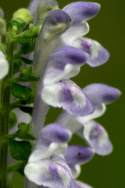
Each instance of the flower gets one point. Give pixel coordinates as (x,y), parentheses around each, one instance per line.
(53,163)
(4,65)
(68,96)
(100,95)
(46,165)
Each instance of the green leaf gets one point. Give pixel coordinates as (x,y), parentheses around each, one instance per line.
(18,166)
(23,128)
(12,119)
(17,62)
(24,132)
(21,92)
(20,150)
(26,75)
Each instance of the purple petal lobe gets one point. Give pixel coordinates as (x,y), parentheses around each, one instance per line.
(55,133)
(57,17)
(101,93)
(98,138)
(78,155)
(56,22)
(82,11)
(64,64)
(98,55)
(68,55)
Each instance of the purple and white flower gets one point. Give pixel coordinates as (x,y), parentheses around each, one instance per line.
(100,95)
(53,163)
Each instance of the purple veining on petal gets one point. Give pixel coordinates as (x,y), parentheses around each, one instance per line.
(75,102)
(54,172)
(66,95)
(101,93)
(82,11)
(78,155)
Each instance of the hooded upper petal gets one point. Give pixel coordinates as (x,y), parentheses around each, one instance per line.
(54,133)
(4,66)
(101,93)
(79,12)
(56,22)
(68,95)
(64,63)
(82,11)
(97,138)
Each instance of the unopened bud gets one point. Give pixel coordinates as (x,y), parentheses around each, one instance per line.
(23,15)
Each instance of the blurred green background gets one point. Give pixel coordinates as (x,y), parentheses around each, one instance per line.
(108,28)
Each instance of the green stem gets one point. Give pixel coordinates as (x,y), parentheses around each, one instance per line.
(5,90)
(4,116)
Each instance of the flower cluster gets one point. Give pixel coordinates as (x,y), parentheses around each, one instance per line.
(53,163)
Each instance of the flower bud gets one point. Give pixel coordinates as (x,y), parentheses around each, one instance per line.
(22,15)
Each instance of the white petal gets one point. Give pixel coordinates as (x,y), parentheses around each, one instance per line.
(22,117)
(44,151)
(98,112)
(69,122)
(4,66)
(75,32)
(54,75)
(50,173)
